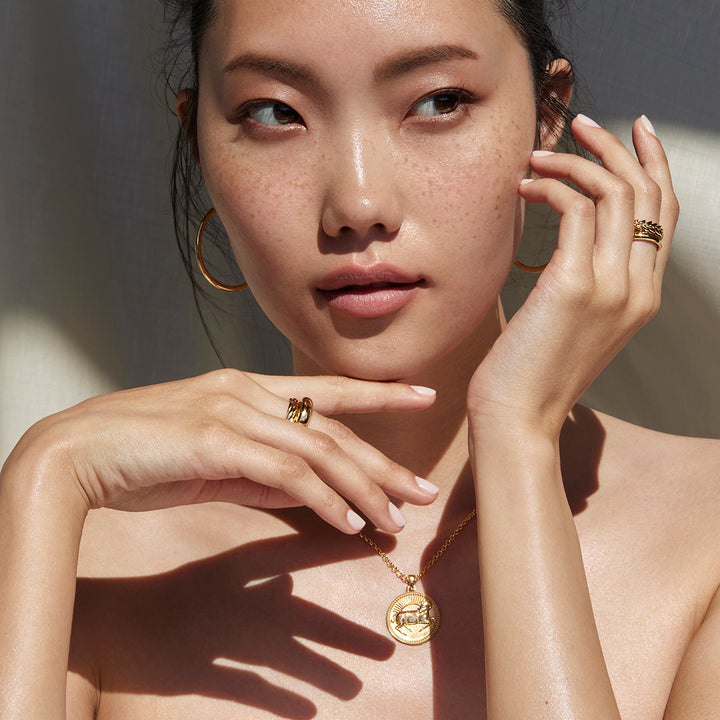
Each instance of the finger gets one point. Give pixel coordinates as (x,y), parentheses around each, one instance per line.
(293,476)
(652,157)
(393,478)
(352,466)
(614,202)
(335,395)
(254,411)
(363,482)
(576,236)
(647,193)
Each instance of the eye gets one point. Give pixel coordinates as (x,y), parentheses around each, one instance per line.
(443,102)
(271,113)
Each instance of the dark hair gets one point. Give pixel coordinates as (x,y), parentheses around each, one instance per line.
(188,21)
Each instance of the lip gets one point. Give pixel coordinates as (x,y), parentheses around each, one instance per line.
(369,292)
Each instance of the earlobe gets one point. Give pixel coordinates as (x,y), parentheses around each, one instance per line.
(557,89)
(186,110)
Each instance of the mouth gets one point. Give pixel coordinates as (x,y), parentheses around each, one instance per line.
(369,292)
(372,287)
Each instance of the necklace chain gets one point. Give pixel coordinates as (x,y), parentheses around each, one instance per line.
(410,580)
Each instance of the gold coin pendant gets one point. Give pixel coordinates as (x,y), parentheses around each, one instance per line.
(413,618)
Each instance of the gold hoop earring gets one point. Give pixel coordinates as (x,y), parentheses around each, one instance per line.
(201,264)
(529,268)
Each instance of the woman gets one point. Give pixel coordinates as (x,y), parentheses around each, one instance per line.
(372,187)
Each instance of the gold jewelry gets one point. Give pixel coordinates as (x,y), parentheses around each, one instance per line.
(528,268)
(299,412)
(413,617)
(201,264)
(648,231)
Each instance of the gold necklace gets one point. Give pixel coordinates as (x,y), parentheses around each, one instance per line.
(413,617)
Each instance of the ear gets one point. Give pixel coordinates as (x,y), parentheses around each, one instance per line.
(557,89)
(186,110)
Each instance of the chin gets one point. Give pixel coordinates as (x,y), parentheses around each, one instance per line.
(365,361)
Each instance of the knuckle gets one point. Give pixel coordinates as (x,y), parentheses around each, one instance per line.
(339,431)
(258,495)
(621,190)
(614,298)
(645,306)
(584,207)
(293,469)
(337,384)
(651,190)
(672,204)
(323,444)
(580,291)
(329,499)
(225,378)
(219,405)
(395,474)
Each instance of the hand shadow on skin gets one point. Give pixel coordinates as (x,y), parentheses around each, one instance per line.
(180,632)
(581,445)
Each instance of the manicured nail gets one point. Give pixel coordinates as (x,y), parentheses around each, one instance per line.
(422,390)
(648,125)
(542,153)
(585,120)
(397,517)
(354,520)
(527,181)
(426,486)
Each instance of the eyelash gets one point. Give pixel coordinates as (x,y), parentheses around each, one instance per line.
(462,98)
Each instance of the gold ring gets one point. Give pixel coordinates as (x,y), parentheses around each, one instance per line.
(648,231)
(299,411)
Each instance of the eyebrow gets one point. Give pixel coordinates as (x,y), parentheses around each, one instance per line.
(408,62)
(273,66)
(387,71)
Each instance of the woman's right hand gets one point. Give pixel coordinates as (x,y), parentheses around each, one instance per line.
(223,436)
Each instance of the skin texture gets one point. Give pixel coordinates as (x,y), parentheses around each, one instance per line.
(586,589)
(361,181)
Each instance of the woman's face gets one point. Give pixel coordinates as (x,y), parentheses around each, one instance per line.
(364,157)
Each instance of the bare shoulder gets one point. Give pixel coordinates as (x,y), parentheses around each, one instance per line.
(650,490)
(692,463)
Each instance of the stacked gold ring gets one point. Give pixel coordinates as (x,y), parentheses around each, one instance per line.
(648,231)
(299,411)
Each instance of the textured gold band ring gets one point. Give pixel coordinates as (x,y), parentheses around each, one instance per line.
(299,411)
(648,231)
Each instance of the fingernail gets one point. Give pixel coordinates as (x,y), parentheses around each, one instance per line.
(585,120)
(422,390)
(527,181)
(426,486)
(542,153)
(648,125)
(397,517)
(354,520)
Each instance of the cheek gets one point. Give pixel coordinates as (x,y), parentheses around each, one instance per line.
(265,204)
(468,187)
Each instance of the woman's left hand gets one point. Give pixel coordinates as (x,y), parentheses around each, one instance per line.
(599,288)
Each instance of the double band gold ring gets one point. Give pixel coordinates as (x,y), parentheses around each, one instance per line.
(648,231)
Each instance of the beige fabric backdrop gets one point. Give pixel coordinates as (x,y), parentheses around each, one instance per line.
(92,293)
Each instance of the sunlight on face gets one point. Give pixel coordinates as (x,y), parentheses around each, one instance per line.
(379,144)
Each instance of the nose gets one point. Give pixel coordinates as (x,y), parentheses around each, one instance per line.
(362,196)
